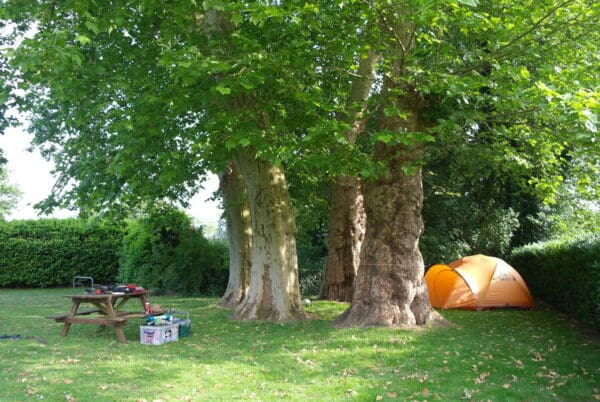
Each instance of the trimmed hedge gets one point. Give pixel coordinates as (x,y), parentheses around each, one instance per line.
(566,274)
(160,251)
(50,252)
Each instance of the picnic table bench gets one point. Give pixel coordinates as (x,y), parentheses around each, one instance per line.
(107,311)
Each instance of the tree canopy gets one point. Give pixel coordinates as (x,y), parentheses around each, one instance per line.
(9,193)
(137,100)
(133,101)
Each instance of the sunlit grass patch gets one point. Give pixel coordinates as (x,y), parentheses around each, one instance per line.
(487,355)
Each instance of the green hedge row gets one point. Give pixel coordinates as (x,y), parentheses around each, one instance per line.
(160,251)
(565,274)
(50,252)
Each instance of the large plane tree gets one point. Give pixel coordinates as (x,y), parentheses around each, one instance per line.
(489,78)
(137,100)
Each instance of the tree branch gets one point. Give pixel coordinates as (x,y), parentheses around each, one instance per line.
(532,28)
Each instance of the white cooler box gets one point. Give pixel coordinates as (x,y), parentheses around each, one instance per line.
(158,334)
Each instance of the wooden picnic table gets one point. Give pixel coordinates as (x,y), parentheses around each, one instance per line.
(108,310)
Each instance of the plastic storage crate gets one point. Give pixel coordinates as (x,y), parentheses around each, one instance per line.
(184,323)
(159,334)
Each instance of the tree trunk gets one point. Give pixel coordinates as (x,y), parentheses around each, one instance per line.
(274,291)
(347,217)
(239,235)
(347,221)
(389,289)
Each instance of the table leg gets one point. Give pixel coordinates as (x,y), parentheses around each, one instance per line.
(119,332)
(67,325)
(112,313)
(143,300)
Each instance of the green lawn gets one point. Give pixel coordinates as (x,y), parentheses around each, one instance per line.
(492,355)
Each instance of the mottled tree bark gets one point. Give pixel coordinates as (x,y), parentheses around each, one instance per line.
(346,211)
(274,291)
(347,221)
(389,288)
(239,235)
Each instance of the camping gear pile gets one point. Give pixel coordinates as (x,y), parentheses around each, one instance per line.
(87,283)
(477,282)
(165,328)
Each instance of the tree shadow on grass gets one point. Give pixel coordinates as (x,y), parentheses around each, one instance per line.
(308,360)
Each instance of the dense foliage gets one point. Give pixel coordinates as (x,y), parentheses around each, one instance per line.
(160,251)
(163,252)
(135,101)
(9,193)
(565,274)
(311,220)
(51,252)
(464,220)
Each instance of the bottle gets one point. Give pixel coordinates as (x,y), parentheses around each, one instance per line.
(147,308)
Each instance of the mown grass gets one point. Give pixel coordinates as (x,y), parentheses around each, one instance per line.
(502,355)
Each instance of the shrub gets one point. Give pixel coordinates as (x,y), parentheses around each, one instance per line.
(311,282)
(200,266)
(565,273)
(163,252)
(50,252)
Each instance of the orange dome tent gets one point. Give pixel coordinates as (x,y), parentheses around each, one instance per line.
(477,282)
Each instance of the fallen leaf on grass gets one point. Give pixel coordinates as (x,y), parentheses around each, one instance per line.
(481,378)
(425,392)
(538,357)
(506,386)
(518,363)
(550,374)
(487,356)
(70,398)
(379,398)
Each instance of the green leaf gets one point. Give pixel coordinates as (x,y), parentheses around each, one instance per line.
(82,39)
(223,90)
(237,19)
(92,27)
(469,3)
(385,137)
(247,85)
